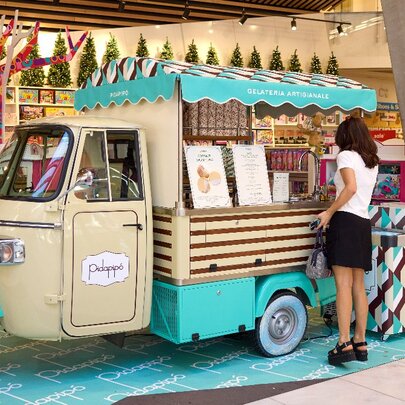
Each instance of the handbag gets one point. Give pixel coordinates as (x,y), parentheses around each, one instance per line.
(317,264)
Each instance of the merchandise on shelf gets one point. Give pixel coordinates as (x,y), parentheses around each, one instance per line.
(28,95)
(388,185)
(27,103)
(28,112)
(64,97)
(10,95)
(286,160)
(46,96)
(264,136)
(58,111)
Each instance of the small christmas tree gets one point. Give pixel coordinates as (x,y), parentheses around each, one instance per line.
(111,50)
(3,52)
(255,60)
(295,64)
(236,59)
(88,61)
(142,50)
(212,57)
(192,54)
(167,51)
(33,77)
(276,62)
(59,75)
(315,64)
(333,66)
(2,56)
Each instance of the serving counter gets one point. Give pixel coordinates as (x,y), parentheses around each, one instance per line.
(218,244)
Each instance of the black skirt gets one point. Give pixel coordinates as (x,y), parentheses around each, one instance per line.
(348,241)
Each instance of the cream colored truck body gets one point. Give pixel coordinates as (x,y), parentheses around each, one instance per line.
(44,297)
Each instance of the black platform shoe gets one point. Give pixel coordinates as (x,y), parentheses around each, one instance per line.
(361,355)
(338,356)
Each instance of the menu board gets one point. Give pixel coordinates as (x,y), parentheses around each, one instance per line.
(251,175)
(206,173)
(281,192)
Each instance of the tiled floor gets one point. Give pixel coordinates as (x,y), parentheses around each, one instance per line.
(383,385)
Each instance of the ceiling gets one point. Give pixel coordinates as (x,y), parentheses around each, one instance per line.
(105,14)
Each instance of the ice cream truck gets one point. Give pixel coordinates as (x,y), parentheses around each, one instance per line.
(99,235)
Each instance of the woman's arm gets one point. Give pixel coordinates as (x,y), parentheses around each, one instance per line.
(350,188)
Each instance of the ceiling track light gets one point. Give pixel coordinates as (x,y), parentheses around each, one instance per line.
(340,30)
(244,17)
(186,12)
(121,5)
(293,25)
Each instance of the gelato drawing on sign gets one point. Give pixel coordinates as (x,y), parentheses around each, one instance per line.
(207,176)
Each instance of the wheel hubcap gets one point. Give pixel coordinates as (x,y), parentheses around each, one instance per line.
(282,325)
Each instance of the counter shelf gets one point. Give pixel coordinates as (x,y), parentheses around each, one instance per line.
(222,243)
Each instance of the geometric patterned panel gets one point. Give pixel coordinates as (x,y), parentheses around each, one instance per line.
(380,217)
(386,297)
(387,217)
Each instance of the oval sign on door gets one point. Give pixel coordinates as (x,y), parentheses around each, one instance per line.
(105,269)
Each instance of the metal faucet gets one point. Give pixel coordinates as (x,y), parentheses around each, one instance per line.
(317,188)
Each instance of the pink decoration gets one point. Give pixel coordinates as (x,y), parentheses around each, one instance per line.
(20,62)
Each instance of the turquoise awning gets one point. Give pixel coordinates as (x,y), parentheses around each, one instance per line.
(135,79)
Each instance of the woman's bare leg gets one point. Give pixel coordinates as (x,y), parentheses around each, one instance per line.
(344,285)
(360,306)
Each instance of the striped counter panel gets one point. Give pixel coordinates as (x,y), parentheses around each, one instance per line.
(162,244)
(241,243)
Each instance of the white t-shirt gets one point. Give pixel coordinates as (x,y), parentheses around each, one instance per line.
(365,180)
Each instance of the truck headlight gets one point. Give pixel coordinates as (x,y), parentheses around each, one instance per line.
(12,251)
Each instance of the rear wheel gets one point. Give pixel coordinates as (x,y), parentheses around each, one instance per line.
(282,326)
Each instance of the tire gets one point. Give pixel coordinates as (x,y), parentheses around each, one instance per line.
(282,326)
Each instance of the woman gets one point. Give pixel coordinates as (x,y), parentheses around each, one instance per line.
(348,238)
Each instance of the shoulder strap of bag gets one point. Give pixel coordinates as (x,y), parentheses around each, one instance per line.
(319,238)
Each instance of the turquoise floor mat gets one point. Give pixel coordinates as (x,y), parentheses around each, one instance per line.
(93,371)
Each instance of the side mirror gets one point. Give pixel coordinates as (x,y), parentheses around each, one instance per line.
(85,178)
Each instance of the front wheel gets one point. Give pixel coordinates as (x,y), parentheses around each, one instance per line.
(282,326)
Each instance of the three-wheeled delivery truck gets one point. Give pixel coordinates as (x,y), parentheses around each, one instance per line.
(99,235)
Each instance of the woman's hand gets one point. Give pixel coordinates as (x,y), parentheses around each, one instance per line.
(324,218)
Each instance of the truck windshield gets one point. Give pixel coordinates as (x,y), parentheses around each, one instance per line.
(32,163)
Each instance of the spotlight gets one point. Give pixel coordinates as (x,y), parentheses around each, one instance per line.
(121,5)
(186,12)
(340,30)
(244,17)
(294,25)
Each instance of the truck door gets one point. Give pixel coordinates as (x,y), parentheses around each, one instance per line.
(105,237)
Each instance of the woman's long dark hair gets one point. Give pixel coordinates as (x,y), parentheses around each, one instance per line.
(352,134)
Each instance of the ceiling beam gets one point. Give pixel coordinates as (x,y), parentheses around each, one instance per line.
(96,14)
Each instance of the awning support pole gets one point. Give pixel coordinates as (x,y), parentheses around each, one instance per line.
(179,205)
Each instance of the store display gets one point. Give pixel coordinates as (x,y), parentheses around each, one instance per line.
(28,95)
(32,103)
(28,112)
(58,111)
(46,96)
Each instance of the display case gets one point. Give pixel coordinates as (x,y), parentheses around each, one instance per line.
(389,186)
(27,103)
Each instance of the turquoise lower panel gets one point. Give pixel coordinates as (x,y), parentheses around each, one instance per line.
(326,290)
(185,313)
